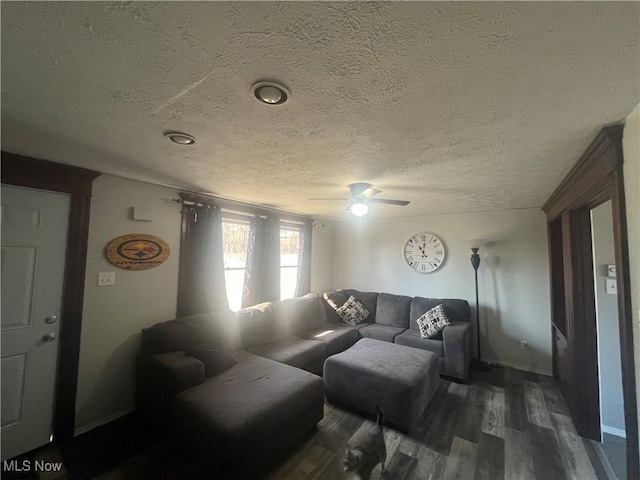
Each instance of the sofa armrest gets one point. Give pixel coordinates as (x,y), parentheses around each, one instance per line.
(457,346)
(160,377)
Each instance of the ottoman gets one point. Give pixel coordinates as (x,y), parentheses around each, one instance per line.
(400,380)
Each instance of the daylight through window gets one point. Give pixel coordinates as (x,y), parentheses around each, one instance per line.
(235,240)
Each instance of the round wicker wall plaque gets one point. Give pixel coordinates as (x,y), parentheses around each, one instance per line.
(137,251)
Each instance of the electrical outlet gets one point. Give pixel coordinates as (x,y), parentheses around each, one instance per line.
(106,278)
(524,345)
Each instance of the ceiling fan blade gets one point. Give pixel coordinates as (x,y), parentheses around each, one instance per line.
(370,192)
(402,203)
(329,198)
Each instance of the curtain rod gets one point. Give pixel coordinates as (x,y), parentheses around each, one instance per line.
(240,207)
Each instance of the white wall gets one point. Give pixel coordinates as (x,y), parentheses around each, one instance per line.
(609,366)
(322,257)
(513,275)
(631,152)
(113,316)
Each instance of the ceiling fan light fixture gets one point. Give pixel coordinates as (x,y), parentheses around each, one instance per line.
(359,208)
(180,138)
(270,93)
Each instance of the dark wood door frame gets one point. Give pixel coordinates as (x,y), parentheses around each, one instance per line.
(596,178)
(77,182)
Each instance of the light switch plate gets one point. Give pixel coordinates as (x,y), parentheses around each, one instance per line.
(611,286)
(106,278)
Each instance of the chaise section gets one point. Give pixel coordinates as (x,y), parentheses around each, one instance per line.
(249,415)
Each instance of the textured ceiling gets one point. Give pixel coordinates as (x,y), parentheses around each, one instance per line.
(456,107)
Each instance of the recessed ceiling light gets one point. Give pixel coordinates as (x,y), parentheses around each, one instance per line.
(270,93)
(180,138)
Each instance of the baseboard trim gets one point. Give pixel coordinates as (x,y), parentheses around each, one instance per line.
(524,368)
(614,431)
(103,421)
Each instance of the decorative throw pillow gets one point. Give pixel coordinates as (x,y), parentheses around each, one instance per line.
(215,357)
(432,322)
(352,312)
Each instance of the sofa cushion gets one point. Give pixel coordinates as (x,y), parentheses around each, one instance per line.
(380,332)
(336,299)
(261,325)
(305,354)
(411,338)
(353,312)
(368,299)
(303,313)
(456,309)
(393,310)
(331,301)
(336,337)
(215,357)
(183,333)
(432,322)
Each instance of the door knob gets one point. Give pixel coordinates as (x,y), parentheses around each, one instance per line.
(49,337)
(50,319)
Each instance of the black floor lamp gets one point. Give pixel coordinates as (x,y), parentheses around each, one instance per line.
(477,363)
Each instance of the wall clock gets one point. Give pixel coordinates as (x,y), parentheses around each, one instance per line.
(424,252)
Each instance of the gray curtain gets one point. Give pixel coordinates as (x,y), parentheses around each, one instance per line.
(303,285)
(201,286)
(262,274)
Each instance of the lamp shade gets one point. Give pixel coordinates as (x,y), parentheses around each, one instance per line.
(476,243)
(359,208)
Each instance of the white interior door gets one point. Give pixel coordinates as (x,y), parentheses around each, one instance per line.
(34,243)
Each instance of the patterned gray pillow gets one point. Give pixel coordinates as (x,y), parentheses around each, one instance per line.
(353,311)
(433,322)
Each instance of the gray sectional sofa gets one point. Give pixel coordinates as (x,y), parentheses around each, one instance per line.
(241,389)
(393,319)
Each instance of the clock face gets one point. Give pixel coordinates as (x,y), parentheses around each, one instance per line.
(424,252)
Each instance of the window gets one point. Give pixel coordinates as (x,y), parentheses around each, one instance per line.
(289,255)
(235,241)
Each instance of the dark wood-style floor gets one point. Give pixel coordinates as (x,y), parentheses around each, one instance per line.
(504,424)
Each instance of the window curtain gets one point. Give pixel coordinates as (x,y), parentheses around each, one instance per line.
(303,285)
(201,286)
(262,273)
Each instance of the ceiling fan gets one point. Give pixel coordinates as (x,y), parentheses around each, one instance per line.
(362,194)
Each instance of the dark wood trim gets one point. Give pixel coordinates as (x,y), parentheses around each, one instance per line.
(77,182)
(584,332)
(589,175)
(596,177)
(625,312)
